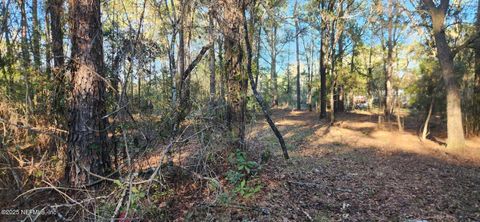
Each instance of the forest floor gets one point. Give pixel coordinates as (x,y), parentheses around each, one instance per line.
(354,170)
(358,171)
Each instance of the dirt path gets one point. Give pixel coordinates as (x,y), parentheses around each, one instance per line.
(355,171)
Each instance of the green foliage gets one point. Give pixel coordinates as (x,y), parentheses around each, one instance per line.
(246,190)
(243,175)
(428,85)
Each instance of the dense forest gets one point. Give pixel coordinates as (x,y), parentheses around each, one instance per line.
(239,110)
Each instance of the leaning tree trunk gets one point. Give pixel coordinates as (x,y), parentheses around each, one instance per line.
(427,120)
(87,140)
(257,95)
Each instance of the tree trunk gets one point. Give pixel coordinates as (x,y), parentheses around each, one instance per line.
(477,57)
(297,30)
(399,122)
(237,80)
(333,78)
(273,68)
(35,35)
(180,81)
(389,63)
(309,59)
(333,84)
(173,68)
(339,105)
(289,88)
(341,99)
(258,96)
(48,46)
(475,118)
(55,10)
(370,80)
(87,140)
(456,138)
(212,60)
(427,120)
(350,104)
(257,57)
(25,53)
(9,53)
(223,73)
(323,73)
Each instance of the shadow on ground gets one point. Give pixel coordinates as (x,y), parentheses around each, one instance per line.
(359,172)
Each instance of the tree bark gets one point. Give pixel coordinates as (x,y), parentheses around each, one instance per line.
(476,88)
(297,33)
(35,35)
(370,80)
(427,120)
(333,78)
(9,53)
(477,57)
(389,63)
(55,11)
(87,140)
(223,79)
(25,53)
(180,103)
(309,59)
(236,79)
(48,45)
(55,8)
(212,59)
(339,105)
(273,63)
(323,73)
(288,74)
(456,138)
(257,56)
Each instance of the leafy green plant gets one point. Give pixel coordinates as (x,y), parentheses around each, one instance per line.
(242,175)
(246,190)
